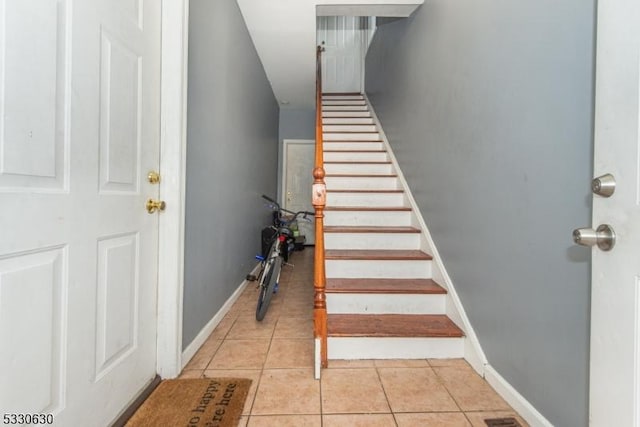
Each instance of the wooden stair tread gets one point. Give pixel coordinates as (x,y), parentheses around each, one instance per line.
(341,94)
(342,141)
(392,325)
(355,151)
(347,117)
(357,175)
(384,286)
(376,254)
(349,131)
(357,163)
(369,229)
(366,208)
(365,191)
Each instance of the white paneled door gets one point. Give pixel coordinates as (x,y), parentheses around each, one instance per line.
(298,167)
(79,131)
(615,298)
(343,57)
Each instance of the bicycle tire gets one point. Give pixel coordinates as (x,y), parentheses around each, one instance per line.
(266,292)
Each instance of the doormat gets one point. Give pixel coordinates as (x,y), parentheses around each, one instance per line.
(502,422)
(210,402)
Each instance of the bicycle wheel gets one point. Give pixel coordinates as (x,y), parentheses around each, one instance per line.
(271,275)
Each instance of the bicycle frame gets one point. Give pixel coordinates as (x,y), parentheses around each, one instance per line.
(277,255)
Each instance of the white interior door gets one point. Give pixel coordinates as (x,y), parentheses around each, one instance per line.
(615,301)
(298,166)
(79,130)
(342,60)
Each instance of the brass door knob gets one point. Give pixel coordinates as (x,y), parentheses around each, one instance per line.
(155,205)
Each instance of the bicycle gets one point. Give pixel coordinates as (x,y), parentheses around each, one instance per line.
(281,244)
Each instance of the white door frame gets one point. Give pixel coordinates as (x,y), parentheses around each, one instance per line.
(173,143)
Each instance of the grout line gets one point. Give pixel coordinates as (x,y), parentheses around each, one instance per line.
(385,393)
(441,381)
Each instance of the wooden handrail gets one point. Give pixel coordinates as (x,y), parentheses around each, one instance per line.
(319,198)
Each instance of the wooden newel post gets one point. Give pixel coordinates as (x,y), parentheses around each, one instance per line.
(319,196)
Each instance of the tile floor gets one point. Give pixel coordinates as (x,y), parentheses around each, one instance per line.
(277,354)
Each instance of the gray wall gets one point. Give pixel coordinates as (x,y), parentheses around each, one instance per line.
(297,123)
(488,107)
(232,154)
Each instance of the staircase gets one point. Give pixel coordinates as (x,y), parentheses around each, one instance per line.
(381,299)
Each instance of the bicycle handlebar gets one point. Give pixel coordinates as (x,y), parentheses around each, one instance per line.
(281,209)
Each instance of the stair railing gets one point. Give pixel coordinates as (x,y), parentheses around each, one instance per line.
(319,193)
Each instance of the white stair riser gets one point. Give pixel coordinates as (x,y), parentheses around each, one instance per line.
(372,269)
(383,241)
(355,157)
(394,348)
(326,114)
(364,168)
(348,128)
(344,108)
(372,218)
(386,303)
(328,102)
(361,183)
(338,97)
(352,146)
(347,121)
(346,136)
(365,199)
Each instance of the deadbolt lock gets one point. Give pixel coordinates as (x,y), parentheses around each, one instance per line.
(155,205)
(604,185)
(153,177)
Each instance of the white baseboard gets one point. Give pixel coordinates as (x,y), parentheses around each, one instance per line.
(515,399)
(197,342)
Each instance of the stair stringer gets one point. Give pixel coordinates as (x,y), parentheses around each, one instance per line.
(473,352)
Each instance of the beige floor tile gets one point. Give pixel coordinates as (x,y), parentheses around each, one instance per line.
(252,374)
(294,296)
(401,363)
(241,354)
(285,421)
(210,346)
(274,311)
(247,327)
(294,327)
(477,418)
(196,373)
(358,420)
(223,327)
(304,286)
(434,419)
(290,353)
(304,310)
(352,391)
(244,310)
(356,363)
(243,421)
(287,391)
(204,355)
(415,390)
(440,363)
(471,392)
